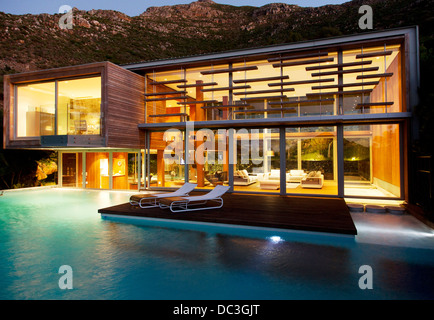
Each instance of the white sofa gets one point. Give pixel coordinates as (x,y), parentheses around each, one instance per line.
(270,180)
(295,176)
(313,180)
(242,178)
(273,175)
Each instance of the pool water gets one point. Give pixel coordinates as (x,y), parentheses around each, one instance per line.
(42,230)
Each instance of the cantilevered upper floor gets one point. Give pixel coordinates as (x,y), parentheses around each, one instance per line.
(369,76)
(92,105)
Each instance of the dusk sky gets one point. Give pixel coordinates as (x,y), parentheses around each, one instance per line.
(132,7)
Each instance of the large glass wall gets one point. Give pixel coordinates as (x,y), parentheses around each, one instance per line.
(359,80)
(208,164)
(372,162)
(77,112)
(72,169)
(256,160)
(374,85)
(311,160)
(167,159)
(123,171)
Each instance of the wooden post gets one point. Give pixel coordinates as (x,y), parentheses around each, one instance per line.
(226,155)
(160,168)
(225,111)
(196,111)
(199,161)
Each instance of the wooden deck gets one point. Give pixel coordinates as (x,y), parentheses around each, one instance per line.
(271,211)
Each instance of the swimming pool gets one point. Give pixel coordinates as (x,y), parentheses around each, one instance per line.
(42,230)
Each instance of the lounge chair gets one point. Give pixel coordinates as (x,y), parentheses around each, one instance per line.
(183,204)
(151,200)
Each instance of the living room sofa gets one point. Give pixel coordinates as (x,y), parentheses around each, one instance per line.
(270,180)
(295,175)
(313,180)
(242,178)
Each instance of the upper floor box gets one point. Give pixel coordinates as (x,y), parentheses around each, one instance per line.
(366,76)
(92,105)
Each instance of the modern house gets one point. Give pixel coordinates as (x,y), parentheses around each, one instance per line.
(330,117)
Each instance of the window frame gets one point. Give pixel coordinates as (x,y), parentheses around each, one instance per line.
(56,95)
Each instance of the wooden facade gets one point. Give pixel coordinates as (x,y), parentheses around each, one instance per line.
(125,108)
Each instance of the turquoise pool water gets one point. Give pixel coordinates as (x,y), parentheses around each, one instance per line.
(44,229)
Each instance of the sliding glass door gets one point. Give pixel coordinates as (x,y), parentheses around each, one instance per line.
(372,160)
(308,161)
(256,160)
(166,159)
(311,160)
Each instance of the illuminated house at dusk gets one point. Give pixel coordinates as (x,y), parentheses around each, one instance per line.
(330,117)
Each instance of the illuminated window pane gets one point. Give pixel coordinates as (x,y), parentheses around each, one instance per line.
(35,109)
(79,107)
(167,159)
(372,160)
(311,164)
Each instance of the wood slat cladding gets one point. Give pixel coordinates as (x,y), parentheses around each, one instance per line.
(125,108)
(59,73)
(8,123)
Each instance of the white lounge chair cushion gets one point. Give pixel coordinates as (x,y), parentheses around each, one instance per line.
(217,192)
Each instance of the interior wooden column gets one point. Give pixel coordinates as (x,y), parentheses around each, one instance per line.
(199,161)
(196,111)
(80,169)
(225,110)
(160,168)
(226,156)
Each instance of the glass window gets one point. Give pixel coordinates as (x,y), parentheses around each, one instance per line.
(207,90)
(251,82)
(209,158)
(35,109)
(167,159)
(257,160)
(125,171)
(72,173)
(79,107)
(164,97)
(376,86)
(372,160)
(311,160)
(360,80)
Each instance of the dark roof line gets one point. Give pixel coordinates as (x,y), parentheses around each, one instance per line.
(277,47)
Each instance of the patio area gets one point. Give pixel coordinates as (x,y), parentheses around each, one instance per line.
(328,215)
